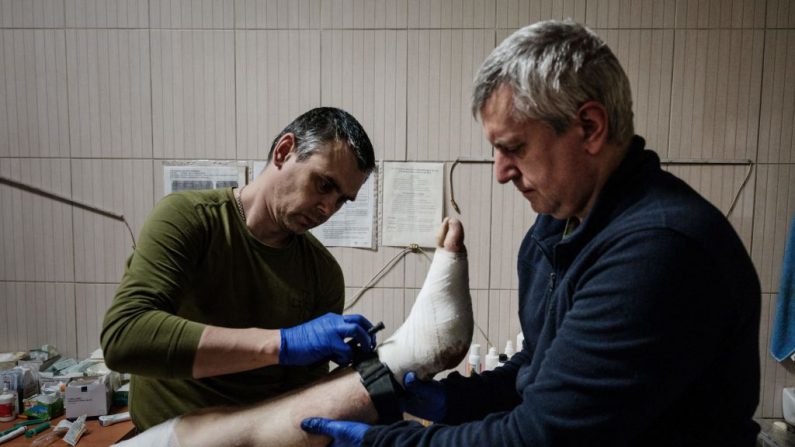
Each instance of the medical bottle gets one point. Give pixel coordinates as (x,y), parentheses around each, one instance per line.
(473,363)
(8,405)
(509,351)
(492,359)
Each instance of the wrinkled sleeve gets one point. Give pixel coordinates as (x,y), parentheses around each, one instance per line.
(636,333)
(141,333)
(471,398)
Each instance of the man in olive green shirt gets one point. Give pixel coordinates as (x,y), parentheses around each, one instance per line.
(227,299)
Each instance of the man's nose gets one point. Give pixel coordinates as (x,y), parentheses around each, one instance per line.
(504,170)
(328,205)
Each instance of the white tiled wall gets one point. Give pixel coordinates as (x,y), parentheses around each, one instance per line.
(642,14)
(32,13)
(124,186)
(518,13)
(107,13)
(191,14)
(35,118)
(364,72)
(287,14)
(716,93)
(277,78)
(369,14)
(36,232)
(95,94)
(109,86)
(441,64)
(720,14)
(777,117)
(466,14)
(647,57)
(35,313)
(193,94)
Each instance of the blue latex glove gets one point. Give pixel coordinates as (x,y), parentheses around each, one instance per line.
(424,399)
(324,338)
(343,433)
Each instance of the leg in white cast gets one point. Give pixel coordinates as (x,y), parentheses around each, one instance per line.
(438,331)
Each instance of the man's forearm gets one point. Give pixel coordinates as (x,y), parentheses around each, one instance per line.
(226,350)
(149,342)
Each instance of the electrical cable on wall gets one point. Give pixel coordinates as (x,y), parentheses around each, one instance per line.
(691,162)
(713,162)
(68,201)
(413,248)
(452,169)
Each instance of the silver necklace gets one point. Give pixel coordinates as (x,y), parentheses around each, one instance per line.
(239,203)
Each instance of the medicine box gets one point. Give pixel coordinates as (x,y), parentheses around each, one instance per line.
(90,396)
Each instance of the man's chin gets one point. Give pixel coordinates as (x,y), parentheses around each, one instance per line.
(540,208)
(302,224)
(299,230)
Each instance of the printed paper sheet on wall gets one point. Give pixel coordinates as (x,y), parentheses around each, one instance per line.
(413,203)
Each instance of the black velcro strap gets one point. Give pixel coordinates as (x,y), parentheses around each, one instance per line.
(382,388)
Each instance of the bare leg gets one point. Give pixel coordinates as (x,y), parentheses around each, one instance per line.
(276,422)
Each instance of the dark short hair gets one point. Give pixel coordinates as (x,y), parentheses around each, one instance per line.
(322,125)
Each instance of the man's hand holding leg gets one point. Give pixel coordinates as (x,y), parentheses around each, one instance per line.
(324,338)
(425,399)
(342,433)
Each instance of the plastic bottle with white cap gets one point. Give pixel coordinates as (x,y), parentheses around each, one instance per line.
(473,363)
(509,351)
(492,359)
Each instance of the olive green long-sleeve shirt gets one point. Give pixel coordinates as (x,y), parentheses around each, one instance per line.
(197,264)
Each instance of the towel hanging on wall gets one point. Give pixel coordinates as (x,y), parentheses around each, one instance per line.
(782,343)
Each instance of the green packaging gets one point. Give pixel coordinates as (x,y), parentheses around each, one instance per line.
(43,406)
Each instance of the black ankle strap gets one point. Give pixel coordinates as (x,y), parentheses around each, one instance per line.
(382,387)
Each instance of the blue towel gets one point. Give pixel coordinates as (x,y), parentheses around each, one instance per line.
(782,343)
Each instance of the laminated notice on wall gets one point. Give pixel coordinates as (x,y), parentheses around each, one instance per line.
(413,203)
(352,225)
(204,174)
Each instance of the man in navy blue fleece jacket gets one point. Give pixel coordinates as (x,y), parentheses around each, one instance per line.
(638,302)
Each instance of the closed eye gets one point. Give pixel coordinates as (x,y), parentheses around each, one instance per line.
(509,150)
(326,185)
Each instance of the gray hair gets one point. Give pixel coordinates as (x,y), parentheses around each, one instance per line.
(315,128)
(553,68)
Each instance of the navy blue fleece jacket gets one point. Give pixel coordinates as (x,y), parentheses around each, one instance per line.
(641,328)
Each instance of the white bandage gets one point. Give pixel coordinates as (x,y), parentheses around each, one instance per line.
(161,435)
(437,333)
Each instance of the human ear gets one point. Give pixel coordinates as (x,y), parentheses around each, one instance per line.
(283,149)
(593,120)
